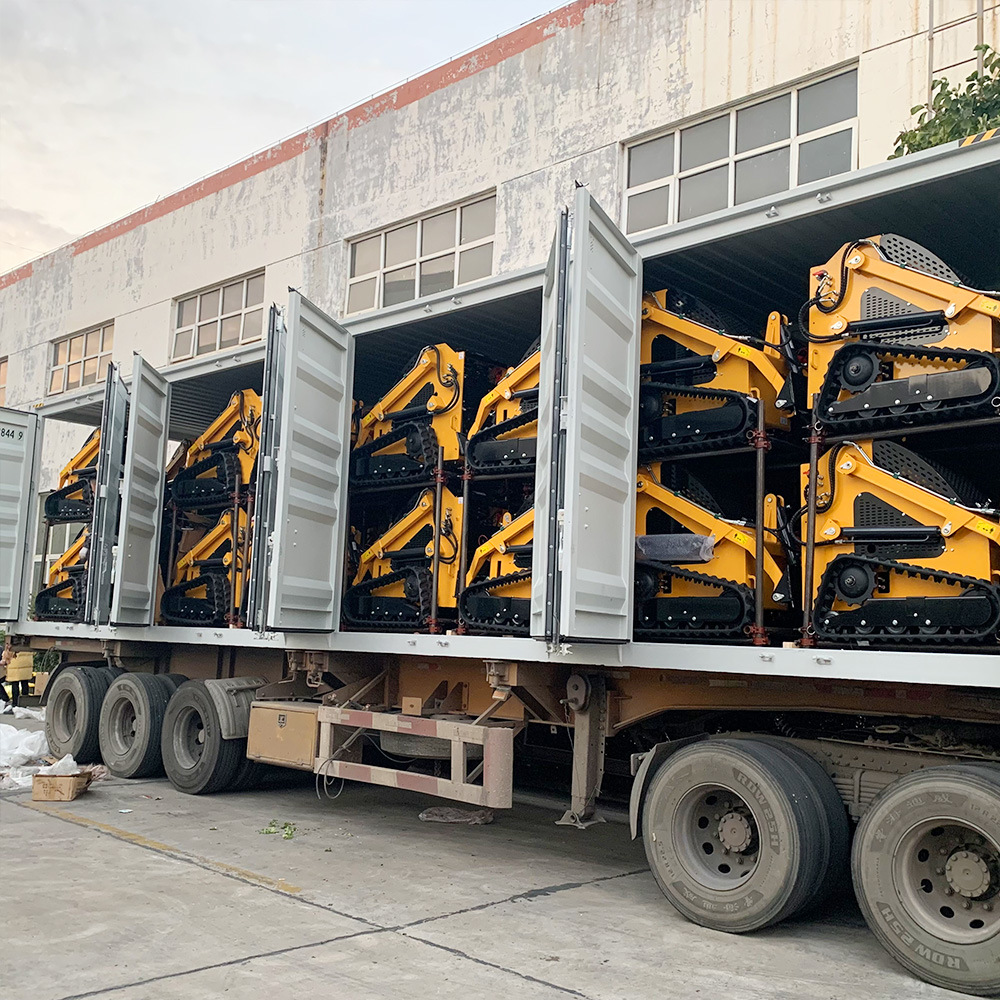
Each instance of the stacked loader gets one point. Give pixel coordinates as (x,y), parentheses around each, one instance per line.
(710,398)
(900,549)
(205,558)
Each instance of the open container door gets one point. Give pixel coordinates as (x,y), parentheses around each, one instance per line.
(104,525)
(136,560)
(265,496)
(548,471)
(308,534)
(18,432)
(594,460)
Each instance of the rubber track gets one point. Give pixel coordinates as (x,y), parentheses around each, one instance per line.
(827,595)
(682,630)
(219,598)
(428,446)
(704,442)
(914,414)
(408,624)
(487,586)
(489,434)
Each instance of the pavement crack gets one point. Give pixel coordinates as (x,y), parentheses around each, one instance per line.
(547,890)
(219,965)
(495,965)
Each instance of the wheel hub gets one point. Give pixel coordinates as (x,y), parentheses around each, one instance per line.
(735,832)
(968,874)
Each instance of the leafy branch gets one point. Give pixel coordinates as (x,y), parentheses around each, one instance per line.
(953,114)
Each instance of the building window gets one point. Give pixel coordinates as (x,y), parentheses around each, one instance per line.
(749,152)
(431,254)
(81,359)
(3,381)
(224,316)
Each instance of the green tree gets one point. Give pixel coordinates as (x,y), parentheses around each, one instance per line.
(955,113)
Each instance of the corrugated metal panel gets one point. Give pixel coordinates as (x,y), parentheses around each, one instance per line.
(17,458)
(601,390)
(104,524)
(134,596)
(548,475)
(314,432)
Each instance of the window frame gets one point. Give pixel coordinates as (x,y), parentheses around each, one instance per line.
(4,369)
(455,252)
(672,181)
(242,312)
(107,353)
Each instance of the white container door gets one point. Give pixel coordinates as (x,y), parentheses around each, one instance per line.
(104,526)
(136,560)
(591,473)
(305,573)
(18,431)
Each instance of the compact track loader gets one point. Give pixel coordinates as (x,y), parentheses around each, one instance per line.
(220,465)
(503,437)
(65,597)
(895,337)
(398,438)
(210,578)
(497,594)
(700,387)
(74,499)
(694,568)
(393,588)
(906,552)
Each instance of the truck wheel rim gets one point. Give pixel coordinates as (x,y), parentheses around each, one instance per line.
(189,738)
(122,726)
(716,837)
(947,875)
(64,713)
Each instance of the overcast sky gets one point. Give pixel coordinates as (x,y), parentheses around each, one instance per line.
(107,105)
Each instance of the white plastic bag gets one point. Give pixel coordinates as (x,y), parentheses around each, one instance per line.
(17,777)
(38,714)
(65,765)
(20,746)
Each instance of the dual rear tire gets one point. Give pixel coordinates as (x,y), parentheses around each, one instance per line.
(742,833)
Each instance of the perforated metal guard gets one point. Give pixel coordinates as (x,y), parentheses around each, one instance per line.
(878,304)
(906,253)
(902,462)
(681,481)
(693,309)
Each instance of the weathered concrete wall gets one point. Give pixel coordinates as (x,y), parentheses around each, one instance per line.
(528,114)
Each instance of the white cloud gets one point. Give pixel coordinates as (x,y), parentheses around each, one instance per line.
(107,105)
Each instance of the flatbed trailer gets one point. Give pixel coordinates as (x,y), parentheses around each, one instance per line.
(749,762)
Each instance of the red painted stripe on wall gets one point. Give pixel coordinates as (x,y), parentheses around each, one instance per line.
(485,57)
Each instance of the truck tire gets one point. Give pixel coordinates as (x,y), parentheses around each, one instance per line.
(248,774)
(130,725)
(735,835)
(835,819)
(73,711)
(926,866)
(172,681)
(197,759)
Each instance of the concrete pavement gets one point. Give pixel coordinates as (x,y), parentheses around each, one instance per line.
(136,891)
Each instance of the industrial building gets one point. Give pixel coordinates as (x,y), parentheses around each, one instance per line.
(667,110)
